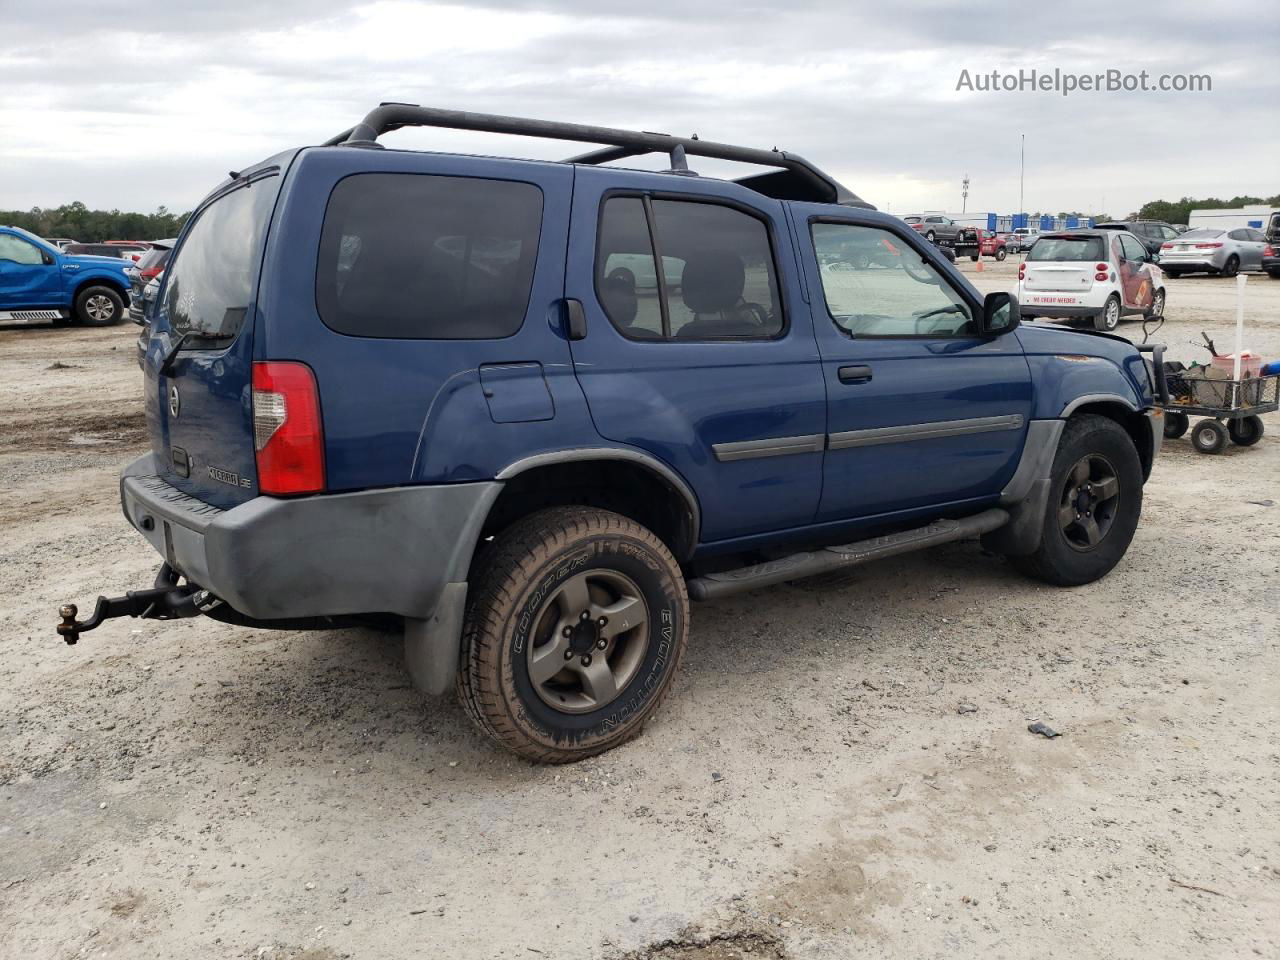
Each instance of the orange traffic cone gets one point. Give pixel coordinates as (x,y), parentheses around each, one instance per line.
(979,267)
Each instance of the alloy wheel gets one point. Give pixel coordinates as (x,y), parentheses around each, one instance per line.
(1088,502)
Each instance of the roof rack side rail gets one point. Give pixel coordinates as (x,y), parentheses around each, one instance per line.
(620,143)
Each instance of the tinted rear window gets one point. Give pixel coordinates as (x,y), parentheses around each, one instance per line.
(155,257)
(427,257)
(211,277)
(1201,233)
(1068,248)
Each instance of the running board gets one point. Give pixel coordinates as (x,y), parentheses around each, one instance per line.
(32,316)
(798,565)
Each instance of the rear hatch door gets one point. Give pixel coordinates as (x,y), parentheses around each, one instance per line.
(199,359)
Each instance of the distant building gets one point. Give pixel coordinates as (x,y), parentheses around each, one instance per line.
(1232,218)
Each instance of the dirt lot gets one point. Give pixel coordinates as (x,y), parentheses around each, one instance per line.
(809,790)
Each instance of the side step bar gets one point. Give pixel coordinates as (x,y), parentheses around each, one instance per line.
(798,565)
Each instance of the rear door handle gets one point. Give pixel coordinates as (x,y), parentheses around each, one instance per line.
(576,320)
(858,373)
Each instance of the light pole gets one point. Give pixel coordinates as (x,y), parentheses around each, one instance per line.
(1022,180)
(964,193)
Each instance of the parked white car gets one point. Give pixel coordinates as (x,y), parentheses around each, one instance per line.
(1026,236)
(1210,250)
(1098,275)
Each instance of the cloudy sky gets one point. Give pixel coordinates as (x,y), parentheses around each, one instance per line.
(134,105)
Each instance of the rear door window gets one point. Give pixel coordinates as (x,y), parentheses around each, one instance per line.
(211,277)
(421,256)
(717,279)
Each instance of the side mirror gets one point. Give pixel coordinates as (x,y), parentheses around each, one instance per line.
(1000,314)
(47,258)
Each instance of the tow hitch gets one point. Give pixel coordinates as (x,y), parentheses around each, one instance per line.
(166,601)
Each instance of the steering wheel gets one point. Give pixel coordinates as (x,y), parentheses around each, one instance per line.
(756,313)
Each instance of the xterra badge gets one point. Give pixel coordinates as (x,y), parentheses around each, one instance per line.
(226,476)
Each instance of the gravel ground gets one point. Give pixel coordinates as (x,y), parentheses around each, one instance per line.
(812,787)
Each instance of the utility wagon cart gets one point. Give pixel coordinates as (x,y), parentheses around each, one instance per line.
(1233,408)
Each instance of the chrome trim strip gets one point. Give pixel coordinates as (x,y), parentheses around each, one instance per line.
(922,431)
(769,447)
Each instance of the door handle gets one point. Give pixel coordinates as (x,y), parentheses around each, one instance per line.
(575,319)
(858,373)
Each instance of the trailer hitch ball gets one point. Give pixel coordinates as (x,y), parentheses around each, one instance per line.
(68,629)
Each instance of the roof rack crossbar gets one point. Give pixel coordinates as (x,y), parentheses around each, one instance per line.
(619,143)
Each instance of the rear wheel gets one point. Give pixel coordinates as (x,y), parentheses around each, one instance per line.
(1231,267)
(99,306)
(930,236)
(576,629)
(1109,318)
(1001,253)
(1175,425)
(1209,436)
(1094,504)
(1246,431)
(1157,304)
(1171,274)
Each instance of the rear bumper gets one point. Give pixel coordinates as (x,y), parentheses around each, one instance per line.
(1058,312)
(1172,262)
(376,551)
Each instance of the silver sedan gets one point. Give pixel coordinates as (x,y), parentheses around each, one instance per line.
(1210,250)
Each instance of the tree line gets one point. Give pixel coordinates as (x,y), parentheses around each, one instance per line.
(78,222)
(1179,211)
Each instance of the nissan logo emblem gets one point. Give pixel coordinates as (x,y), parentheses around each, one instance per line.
(175,401)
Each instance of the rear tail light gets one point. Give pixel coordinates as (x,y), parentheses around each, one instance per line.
(1208,246)
(1022,271)
(1166,246)
(1100,267)
(1099,276)
(288,436)
(1268,251)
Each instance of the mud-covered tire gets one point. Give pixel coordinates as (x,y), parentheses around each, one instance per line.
(99,306)
(515,595)
(1061,558)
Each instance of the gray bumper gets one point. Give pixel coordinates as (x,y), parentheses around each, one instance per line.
(375,551)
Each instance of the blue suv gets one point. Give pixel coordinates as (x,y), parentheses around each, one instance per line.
(40,282)
(530,409)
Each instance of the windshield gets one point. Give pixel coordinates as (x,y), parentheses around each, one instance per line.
(1068,248)
(1201,234)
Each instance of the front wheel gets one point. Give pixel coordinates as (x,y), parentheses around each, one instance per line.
(1209,436)
(1109,318)
(1246,431)
(99,307)
(1094,504)
(574,634)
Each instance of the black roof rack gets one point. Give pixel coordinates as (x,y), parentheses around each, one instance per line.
(796,180)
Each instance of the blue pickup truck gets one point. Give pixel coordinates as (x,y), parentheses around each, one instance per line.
(531,409)
(40,282)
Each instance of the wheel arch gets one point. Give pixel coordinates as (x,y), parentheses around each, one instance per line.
(629,482)
(101,280)
(1123,411)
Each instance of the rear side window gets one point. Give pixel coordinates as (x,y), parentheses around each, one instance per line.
(211,277)
(712,278)
(428,257)
(1068,248)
